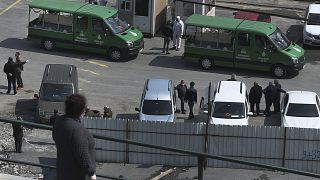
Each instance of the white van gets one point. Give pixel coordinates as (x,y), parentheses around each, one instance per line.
(158,101)
(311,29)
(230,103)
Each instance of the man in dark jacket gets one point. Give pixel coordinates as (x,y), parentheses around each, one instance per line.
(191,97)
(75,145)
(167,36)
(255,97)
(19,66)
(182,90)
(11,71)
(269,94)
(276,102)
(18,135)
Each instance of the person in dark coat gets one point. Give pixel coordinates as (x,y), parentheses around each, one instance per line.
(269,94)
(75,145)
(167,36)
(255,97)
(191,97)
(11,71)
(19,66)
(182,90)
(232,78)
(18,135)
(276,102)
(54,117)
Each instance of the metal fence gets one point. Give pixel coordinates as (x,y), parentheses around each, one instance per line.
(200,156)
(286,147)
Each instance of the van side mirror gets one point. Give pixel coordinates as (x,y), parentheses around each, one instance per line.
(137,109)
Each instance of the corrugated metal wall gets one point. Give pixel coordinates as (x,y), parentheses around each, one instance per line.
(293,148)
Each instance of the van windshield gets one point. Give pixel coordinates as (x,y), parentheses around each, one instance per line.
(157,107)
(117,24)
(228,110)
(279,39)
(313,19)
(55,92)
(302,110)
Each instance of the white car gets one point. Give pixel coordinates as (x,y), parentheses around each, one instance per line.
(300,109)
(230,104)
(311,29)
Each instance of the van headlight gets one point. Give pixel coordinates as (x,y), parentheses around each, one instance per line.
(309,35)
(129,44)
(295,60)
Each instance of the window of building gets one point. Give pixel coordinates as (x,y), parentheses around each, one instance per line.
(126,5)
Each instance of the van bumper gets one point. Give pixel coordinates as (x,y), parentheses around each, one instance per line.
(129,52)
(296,67)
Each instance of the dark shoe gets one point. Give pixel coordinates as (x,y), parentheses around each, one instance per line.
(173,47)
(167,53)
(177,49)
(183,112)
(8,92)
(162,51)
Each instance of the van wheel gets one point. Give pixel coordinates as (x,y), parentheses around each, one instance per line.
(48,44)
(279,71)
(115,54)
(206,63)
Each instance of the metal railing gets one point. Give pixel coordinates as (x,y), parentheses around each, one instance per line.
(201,156)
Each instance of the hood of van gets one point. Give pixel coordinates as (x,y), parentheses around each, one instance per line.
(132,34)
(46,108)
(222,121)
(313,29)
(294,50)
(166,118)
(301,122)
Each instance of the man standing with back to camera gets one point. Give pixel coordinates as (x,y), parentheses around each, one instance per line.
(75,145)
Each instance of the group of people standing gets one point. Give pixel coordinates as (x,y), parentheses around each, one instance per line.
(188,95)
(13,70)
(272,94)
(172,31)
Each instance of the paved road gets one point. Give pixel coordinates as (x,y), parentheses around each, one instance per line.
(119,84)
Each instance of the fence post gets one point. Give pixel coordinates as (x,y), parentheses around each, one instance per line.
(126,144)
(200,167)
(284,147)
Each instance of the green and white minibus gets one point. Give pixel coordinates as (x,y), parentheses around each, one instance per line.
(218,41)
(84,27)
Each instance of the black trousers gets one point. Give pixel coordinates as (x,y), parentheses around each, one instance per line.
(182,104)
(12,81)
(257,107)
(19,79)
(268,105)
(18,144)
(276,104)
(166,41)
(191,104)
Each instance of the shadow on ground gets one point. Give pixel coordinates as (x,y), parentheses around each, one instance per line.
(25,45)
(25,108)
(177,62)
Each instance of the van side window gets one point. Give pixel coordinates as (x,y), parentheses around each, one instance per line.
(97,26)
(243,39)
(263,42)
(82,22)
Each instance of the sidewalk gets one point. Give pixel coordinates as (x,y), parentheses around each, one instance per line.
(11,177)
